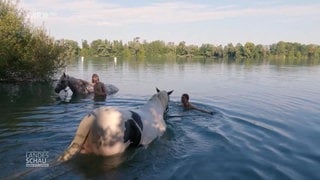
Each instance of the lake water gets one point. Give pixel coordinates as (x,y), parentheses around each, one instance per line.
(266,123)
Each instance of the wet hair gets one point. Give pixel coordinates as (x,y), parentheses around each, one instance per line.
(94,75)
(186,96)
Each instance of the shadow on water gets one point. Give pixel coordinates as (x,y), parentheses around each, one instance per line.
(24,95)
(18,100)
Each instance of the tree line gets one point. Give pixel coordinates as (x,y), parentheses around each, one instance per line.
(29,53)
(158,48)
(26,52)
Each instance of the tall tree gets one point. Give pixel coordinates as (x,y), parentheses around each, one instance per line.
(249,50)
(182,49)
(230,51)
(26,52)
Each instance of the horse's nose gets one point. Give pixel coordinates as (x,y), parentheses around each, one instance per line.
(56,90)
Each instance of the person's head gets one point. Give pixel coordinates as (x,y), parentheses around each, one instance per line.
(95,78)
(184,98)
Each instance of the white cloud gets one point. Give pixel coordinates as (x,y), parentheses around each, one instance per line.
(89,12)
(170,21)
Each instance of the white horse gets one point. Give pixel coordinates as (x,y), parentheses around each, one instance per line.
(108,131)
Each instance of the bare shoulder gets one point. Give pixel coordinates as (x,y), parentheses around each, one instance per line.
(188,106)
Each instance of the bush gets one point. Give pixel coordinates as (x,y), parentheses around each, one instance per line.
(26,52)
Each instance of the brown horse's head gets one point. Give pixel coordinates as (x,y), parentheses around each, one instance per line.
(62,83)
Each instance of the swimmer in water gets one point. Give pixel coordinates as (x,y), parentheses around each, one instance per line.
(188,106)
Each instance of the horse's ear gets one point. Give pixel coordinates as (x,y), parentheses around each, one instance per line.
(157,90)
(170,92)
(64,74)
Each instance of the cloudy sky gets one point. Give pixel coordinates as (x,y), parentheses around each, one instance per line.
(193,21)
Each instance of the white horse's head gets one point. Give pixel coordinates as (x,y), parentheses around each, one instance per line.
(164,98)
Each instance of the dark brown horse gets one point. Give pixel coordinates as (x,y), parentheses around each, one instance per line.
(79,86)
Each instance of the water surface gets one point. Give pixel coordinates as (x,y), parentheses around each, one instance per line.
(266,123)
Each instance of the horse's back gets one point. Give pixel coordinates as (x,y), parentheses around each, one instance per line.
(107,132)
(114,129)
(111,89)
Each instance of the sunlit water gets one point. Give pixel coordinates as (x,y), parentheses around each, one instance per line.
(266,123)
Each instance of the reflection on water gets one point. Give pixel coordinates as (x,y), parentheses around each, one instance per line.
(266,124)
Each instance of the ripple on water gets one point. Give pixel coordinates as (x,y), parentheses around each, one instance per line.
(268,149)
(195,146)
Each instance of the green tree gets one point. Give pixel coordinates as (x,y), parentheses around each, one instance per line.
(249,50)
(206,50)
(260,52)
(312,51)
(218,52)
(192,50)
(98,48)
(136,48)
(239,51)
(126,52)
(171,49)
(71,48)
(182,49)
(116,48)
(281,50)
(26,52)
(230,51)
(85,50)
(155,48)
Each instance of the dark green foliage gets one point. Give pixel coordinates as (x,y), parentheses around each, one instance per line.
(26,52)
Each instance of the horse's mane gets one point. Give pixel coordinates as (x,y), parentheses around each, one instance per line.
(73,79)
(74,82)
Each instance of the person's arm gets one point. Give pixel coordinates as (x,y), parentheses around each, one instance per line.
(201,110)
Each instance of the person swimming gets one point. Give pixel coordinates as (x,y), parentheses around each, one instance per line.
(188,106)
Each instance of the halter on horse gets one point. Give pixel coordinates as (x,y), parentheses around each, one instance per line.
(110,130)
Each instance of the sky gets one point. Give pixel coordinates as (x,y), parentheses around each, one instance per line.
(193,21)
